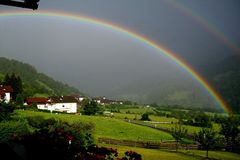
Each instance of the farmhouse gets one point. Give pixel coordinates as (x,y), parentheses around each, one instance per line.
(5,93)
(63,104)
(79,98)
(105,101)
(42,103)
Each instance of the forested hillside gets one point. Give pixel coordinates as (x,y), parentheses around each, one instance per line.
(224,75)
(34,83)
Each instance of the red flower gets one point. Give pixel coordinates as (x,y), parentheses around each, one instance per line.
(69,137)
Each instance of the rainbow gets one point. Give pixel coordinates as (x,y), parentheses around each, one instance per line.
(166,52)
(210,27)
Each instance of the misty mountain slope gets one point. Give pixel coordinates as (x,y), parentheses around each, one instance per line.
(33,81)
(225,77)
(167,90)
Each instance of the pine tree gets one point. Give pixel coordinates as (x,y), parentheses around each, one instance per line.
(15,82)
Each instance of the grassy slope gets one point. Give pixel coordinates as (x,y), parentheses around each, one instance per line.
(109,127)
(112,128)
(191,129)
(154,154)
(138,116)
(220,155)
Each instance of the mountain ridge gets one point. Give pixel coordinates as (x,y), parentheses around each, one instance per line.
(34,82)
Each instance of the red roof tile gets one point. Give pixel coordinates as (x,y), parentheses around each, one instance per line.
(37,100)
(6,89)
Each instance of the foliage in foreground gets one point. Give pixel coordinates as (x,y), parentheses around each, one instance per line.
(55,139)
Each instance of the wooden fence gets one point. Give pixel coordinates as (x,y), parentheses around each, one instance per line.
(147,144)
(190,136)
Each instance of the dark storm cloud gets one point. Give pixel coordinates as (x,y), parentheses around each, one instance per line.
(102,62)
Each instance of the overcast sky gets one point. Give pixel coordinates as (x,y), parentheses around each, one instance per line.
(98,61)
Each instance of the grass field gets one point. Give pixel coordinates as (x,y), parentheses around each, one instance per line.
(191,129)
(155,154)
(152,154)
(139,110)
(219,155)
(117,129)
(138,116)
(108,127)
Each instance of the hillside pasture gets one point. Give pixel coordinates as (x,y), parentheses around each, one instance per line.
(107,127)
(153,118)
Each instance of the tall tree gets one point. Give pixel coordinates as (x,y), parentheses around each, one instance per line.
(19,100)
(5,111)
(231,131)
(15,82)
(207,138)
(6,79)
(91,108)
(178,132)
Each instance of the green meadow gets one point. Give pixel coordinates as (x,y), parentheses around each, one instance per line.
(156,154)
(107,127)
(153,118)
(116,128)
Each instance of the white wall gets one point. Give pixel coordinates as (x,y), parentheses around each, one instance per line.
(7,97)
(64,107)
(42,106)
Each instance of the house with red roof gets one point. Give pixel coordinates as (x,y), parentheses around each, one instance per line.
(5,93)
(66,104)
(42,103)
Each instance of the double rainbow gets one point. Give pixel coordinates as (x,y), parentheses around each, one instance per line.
(108,25)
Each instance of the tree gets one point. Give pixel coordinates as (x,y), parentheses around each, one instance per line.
(15,82)
(5,111)
(207,138)
(231,132)
(203,120)
(145,117)
(6,79)
(178,132)
(91,108)
(19,100)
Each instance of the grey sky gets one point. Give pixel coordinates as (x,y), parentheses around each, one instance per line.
(99,61)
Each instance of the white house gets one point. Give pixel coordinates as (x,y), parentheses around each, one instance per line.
(80,98)
(5,93)
(105,101)
(42,103)
(63,104)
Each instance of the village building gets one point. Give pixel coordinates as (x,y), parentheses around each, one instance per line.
(79,97)
(5,93)
(66,104)
(105,101)
(42,103)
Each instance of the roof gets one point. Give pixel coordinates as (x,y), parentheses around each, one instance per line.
(63,99)
(37,100)
(78,96)
(6,89)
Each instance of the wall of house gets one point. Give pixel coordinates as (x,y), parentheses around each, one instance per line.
(42,106)
(7,97)
(64,107)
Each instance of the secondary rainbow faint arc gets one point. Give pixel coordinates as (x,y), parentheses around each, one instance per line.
(133,35)
(210,27)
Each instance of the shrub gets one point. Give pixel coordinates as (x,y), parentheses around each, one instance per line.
(131,155)
(145,117)
(13,130)
(6,111)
